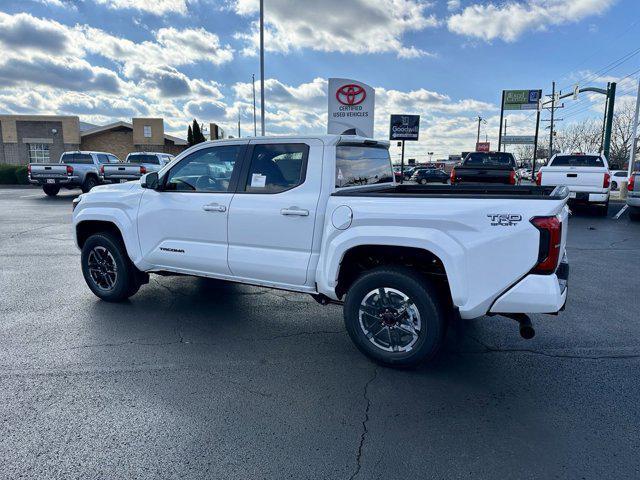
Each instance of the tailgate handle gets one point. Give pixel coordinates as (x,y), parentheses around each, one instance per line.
(572,175)
(120,168)
(47,168)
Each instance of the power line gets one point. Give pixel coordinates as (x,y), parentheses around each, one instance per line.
(607,68)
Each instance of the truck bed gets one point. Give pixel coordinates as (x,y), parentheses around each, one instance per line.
(528,192)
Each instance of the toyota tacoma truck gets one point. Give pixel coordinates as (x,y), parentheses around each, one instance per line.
(74,170)
(323,215)
(135,165)
(486,167)
(587,177)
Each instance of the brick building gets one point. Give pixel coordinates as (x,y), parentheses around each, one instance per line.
(43,138)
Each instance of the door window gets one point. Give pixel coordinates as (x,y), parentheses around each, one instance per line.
(207,170)
(276,167)
(102,158)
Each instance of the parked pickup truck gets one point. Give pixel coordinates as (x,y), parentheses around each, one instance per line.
(135,165)
(323,215)
(486,167)
(74,170)
(633,195)
(586,175)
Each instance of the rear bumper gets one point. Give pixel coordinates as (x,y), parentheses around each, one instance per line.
(536,294)
(117,178)
(588,197)
(633,201)
(56,181)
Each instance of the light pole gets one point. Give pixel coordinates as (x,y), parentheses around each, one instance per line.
(262,66)
(253,82)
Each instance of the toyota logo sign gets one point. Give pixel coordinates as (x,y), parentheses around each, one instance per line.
(351,94)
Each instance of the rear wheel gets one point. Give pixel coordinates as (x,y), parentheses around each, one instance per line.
(614,185)
(423,181)
(89,183)
(107,269)
(634,213)
(394,316)
(51,190)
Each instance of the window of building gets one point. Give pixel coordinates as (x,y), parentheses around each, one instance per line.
(277,167)
(147,131)
(39,153)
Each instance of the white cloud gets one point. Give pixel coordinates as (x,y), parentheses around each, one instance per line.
(356,26)
(453,5)
(509,21)
(154,7)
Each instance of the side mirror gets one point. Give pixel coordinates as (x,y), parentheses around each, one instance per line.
(150,180)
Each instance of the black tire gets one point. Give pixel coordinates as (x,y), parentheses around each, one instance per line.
(51,190)
(614,185)
(634,213)
(423,181)
(422,295)
(126,279)
(89,183)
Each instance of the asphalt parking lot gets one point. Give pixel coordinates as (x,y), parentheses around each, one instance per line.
(195,378)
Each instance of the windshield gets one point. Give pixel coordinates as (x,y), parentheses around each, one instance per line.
(577,161)
(493,159)
(362,165)
(141,158)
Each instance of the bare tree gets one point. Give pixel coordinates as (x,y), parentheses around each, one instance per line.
(579,137)
(621,134)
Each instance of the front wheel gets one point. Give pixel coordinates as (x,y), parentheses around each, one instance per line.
(423,181)
(51,190)
(394,316)
(107,269)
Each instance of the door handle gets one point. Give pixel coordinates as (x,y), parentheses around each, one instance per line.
(300,212)
(214,207)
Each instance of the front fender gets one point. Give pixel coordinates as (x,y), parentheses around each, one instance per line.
(446,248)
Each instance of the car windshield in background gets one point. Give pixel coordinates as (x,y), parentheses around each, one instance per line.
(362,165)
(481,159)
(577,161)
(76,158)
(149,159)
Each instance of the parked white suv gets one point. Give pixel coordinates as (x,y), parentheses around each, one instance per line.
(586,175)
(323,215)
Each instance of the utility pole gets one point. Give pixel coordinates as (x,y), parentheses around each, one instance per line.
(634,134)
(604,118)
(535,143)
(253,82)
(262,66)
(611,97)
(501,116)
(553,109)
(478,136)
(238,123)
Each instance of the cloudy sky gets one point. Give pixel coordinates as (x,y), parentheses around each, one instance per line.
(108,60)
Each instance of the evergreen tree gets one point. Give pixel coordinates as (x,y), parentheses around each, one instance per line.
(190,136)
(198,137)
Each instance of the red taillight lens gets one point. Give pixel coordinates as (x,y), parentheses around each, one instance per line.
(539,178)
(550,239)
(143,169)
(453,175)
(101,169)
(512,177)
(69,170)
(632,181)
(29,169)
(607,180)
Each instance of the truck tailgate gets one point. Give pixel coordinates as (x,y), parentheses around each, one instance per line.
(577,178)
(121,172)
(483,175)
(52,170)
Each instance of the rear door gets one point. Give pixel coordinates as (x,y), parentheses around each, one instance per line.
(272,215)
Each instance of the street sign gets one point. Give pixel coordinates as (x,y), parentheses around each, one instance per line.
(518,139)
(351,107)
(521,99)
(483,147)
(404,127)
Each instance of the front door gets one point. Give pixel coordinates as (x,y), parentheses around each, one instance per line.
(183,225)
(272,214)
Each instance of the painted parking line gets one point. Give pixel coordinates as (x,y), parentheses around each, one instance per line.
(622,210)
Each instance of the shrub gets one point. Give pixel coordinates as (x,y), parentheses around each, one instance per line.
(21,175)
(8,175)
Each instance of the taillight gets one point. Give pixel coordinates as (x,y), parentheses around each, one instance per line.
(607,180)
(453,175)
(550,239)
(539,178)
(69,170)
(632,181)
(29,169)
(512,177)
(101,169)
(143,169)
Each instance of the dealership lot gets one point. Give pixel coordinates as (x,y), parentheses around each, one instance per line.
(194,378)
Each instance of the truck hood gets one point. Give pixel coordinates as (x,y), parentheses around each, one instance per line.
(116,187)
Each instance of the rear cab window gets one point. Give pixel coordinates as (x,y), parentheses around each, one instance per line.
(358,164)
(143,158)
(489,159)
(76,158)
(577,161)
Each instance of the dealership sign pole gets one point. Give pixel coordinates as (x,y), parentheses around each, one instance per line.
(403,128)
(351,107)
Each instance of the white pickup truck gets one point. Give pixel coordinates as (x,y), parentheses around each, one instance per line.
(323,215)
(586,175)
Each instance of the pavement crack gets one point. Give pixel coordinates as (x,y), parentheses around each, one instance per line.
(491,349)
(365,421)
